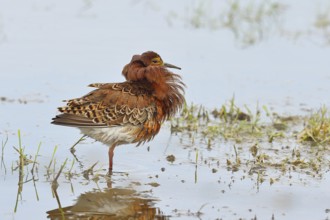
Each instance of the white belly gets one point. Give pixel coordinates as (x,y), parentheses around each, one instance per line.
(111,135)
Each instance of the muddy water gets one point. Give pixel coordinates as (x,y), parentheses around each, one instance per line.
(51,50)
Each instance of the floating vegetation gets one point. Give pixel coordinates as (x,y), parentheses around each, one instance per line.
(229,122)
(269,138)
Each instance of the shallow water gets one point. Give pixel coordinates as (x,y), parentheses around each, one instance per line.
(51,50)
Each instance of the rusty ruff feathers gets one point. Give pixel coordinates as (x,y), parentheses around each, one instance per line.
(127,112)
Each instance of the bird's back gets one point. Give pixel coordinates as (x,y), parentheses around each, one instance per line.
(114,112)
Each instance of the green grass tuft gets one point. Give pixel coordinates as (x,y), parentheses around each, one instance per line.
(317,128)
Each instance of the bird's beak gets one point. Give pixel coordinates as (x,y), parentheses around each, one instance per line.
(171,66)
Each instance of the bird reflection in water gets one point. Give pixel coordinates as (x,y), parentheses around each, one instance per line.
(111,204)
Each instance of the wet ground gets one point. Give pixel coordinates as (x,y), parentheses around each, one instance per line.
(51,50)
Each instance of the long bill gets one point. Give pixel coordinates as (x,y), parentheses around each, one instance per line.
(171,66)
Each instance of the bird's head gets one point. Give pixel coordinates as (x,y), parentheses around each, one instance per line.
(151,58)
(142,64)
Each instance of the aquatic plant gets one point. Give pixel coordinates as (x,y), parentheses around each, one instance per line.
(317,128)
(267,136)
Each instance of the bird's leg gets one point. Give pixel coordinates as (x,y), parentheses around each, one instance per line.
(72,149)
(111,153)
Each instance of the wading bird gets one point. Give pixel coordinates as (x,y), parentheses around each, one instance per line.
(130,111)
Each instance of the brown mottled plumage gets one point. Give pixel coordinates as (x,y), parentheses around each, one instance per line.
(131,111)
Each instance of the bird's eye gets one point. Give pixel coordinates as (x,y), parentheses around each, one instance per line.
(156,61)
